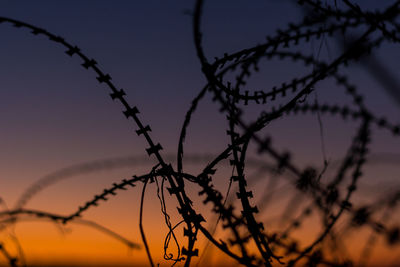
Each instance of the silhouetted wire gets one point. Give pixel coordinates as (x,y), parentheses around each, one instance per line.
(168,223)
(141,224)
(324,196)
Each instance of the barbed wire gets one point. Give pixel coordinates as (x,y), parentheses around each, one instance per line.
(249,240)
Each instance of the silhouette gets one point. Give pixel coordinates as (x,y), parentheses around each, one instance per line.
(247,238)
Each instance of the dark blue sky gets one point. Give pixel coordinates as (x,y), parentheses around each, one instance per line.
(147,48)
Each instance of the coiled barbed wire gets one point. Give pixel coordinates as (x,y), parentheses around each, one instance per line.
(251,241)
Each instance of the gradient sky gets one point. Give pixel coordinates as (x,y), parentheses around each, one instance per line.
(55,114)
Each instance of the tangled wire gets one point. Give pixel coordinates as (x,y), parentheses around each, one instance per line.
(247,238)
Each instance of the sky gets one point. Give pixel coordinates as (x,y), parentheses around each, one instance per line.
(55,114)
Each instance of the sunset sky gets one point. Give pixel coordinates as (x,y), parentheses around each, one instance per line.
(54,114)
